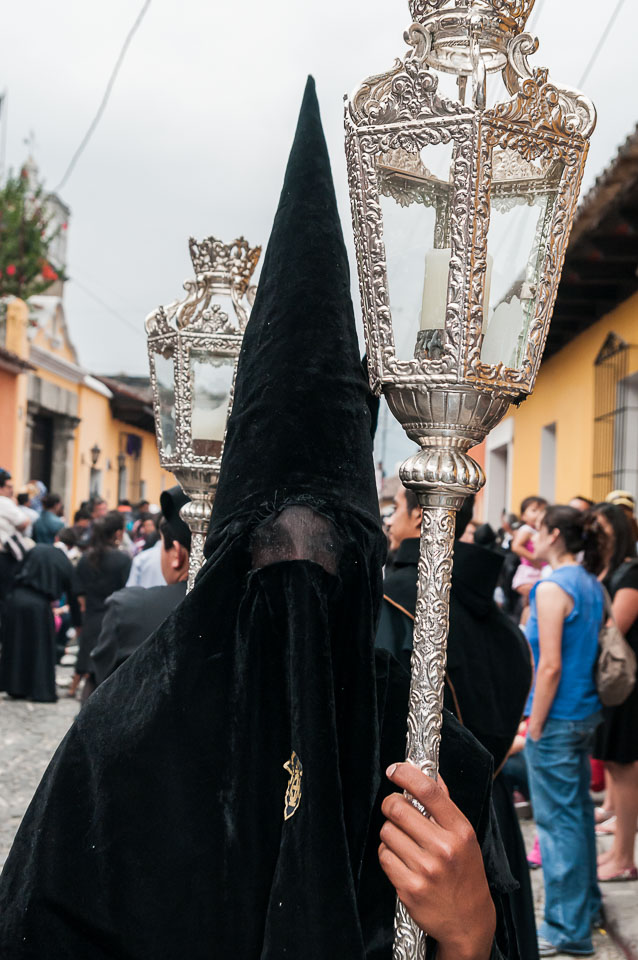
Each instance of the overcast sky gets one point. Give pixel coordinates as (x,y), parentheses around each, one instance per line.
(196,134)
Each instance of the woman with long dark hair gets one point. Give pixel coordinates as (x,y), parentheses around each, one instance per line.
(102,570)
(617,738)
(564,710)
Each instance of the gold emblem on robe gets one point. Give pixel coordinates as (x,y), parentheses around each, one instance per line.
(293,790)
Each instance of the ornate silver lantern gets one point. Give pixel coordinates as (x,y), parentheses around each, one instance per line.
(193,345)
(462,212)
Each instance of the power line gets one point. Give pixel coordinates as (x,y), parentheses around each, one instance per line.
(121,303)
(601,43)
(108,308)
(105,98)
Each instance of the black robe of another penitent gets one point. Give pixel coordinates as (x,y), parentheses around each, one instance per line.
(27,630)
(487,682)
(219,795)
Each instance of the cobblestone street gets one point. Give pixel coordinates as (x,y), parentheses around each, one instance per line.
(29,735)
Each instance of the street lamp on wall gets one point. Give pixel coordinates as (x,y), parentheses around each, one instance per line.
(193,345)
(461,214)
(95,454)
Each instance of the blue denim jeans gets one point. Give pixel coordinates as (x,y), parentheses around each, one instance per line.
(559,775)
(514,773)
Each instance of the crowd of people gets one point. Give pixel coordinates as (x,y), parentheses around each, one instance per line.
(56,581)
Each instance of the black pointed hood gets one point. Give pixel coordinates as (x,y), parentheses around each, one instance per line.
(258,693)
(171,502)
(300,424)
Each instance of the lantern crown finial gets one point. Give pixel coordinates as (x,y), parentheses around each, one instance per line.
(223,272)
(451,23)
(224,265)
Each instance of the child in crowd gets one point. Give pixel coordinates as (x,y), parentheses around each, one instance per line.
(529,570)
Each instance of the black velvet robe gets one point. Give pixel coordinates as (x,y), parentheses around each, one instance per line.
(488,677)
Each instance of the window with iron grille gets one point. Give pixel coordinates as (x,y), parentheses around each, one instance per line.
(615,420)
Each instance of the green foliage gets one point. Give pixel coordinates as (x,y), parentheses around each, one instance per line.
(25,239)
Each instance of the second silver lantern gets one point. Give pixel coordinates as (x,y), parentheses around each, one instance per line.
(193,346)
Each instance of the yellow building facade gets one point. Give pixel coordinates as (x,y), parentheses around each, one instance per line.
(62,425)
(565,440)
(127,465)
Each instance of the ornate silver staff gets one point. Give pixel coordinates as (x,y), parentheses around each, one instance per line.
(193,345)
(461,215)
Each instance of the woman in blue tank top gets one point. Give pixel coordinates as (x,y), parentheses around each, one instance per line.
(564,710)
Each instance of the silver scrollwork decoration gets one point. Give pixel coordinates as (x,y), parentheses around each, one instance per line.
(428,673)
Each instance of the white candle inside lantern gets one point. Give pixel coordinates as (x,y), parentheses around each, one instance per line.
(434,303)
(501,340)
(211,382)
(209,419)
(437,268)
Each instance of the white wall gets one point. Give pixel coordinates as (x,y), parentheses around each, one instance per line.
(498,471)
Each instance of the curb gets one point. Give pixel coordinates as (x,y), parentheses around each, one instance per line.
(627,943)
(620,905)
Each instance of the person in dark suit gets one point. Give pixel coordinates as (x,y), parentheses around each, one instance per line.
(134,613)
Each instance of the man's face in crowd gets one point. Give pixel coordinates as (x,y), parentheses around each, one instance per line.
(174,562)
(403,523)
(100,510)
(7,489)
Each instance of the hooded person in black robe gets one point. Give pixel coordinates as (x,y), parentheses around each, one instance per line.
(27,634)
(487,680)
(219,795)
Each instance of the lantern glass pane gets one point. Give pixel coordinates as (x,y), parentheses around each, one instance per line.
(165,375)
(522,200)
(211,380)
(415,193)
